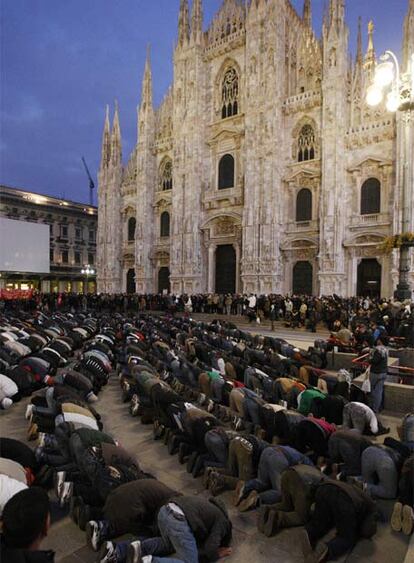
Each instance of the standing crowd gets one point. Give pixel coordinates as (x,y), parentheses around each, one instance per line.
(250,414)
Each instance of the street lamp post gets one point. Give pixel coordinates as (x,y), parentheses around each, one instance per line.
(398,89)
(87,271)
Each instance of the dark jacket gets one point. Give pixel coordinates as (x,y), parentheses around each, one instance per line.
(12,555)
(363,503)
(114,455)
(136,504)
(209,523)
(18,451)
(92,437)
(379,360)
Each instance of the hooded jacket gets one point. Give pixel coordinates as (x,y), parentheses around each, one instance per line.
(209,522)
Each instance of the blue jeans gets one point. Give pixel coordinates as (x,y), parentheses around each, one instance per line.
(271,466)
(176,536)
(377,390)
(380,473)
(251,409)
(217,448)
(217,389)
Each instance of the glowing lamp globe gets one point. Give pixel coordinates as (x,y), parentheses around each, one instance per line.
(384,74)
(374,95)
(393,102)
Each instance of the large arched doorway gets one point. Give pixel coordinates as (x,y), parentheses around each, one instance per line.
(302,279)
(164,279)
(225,269)
(369,278)
(130,281)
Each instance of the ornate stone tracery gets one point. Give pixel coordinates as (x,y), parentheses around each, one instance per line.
(166,175)
(230,93)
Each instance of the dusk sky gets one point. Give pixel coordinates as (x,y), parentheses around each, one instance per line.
(62,61)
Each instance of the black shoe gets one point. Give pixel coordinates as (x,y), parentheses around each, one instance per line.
(262,518)
(173,444)
(45,477)
(183,452)
(271,526)
(167,434)
(382,430)
(74,507)
(198,467)
(84,516)
(191,461)
(158,430)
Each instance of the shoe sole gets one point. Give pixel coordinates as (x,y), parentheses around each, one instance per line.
(133,556)
(396,517)
(74,510)
(407,520)
(248,503)
(270,526)
(89,534)
(84,517)
(305,544)
(237,493)
(262,518)
(191,462)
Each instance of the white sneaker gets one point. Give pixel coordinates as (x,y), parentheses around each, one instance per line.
(66,493)
(201,399)
(29,411)
(93,535)
(134,406)
(134,553)
(42,439)
(60,477)
(108,553)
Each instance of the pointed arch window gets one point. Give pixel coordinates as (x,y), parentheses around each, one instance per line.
(230,94)
(165,224)
(226,172)
(132,224)
(306,143)
(166,176)
(371,197)
(304,205)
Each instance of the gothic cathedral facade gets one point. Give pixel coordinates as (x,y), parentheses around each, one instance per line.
(263,170)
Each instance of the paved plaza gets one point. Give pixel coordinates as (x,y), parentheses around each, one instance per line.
(248,544)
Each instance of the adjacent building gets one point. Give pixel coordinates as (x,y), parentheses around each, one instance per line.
(263,170)
(72,240)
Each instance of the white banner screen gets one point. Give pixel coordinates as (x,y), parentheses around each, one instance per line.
(24,247)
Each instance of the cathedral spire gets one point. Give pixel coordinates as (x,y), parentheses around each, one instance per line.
(408,38)
(116,151)
(106,141)
(369,62)
(197,21)
(307,13)
(146,93)
(359,43)
(183,24)
(334,19)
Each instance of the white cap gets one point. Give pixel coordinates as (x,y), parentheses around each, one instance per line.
(6,403)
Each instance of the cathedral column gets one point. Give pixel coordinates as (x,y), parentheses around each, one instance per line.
(236,247)
(211,267)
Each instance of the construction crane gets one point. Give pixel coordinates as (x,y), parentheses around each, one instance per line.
(91,182)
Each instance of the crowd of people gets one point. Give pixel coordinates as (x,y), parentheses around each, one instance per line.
(251,414)
(396,318)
